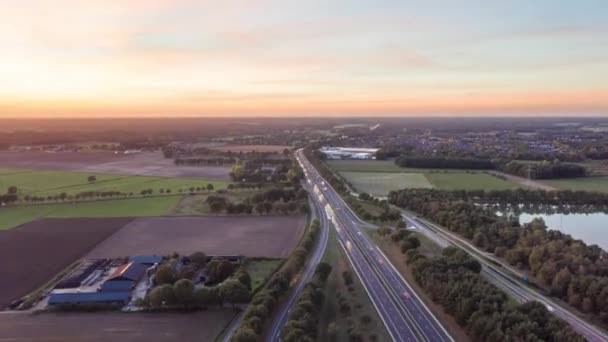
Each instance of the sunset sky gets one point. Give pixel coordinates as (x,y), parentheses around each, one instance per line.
(64,58)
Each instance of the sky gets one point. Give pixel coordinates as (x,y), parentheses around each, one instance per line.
(112,58)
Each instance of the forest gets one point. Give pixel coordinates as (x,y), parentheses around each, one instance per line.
(565,267)
(453,280)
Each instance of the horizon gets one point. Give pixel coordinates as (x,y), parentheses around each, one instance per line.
(272,58)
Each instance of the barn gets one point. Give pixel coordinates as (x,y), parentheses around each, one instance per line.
(89,298)
(131,271)
(117,286)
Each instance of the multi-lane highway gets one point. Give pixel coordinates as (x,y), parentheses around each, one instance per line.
(504,278)
(403,313)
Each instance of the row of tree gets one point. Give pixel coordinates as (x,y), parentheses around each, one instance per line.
(386,214)
(219,161)
(567,268)
(544,170)
(487,314)
(264,301)
(516,197)
(303,321)
(445,163)
(536,170)
(182,294)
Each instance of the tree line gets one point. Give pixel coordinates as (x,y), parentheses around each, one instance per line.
(264,302)
(487,314)
(303,321)
(564,267)
(204,161)
(444,163)
(544,170)
(536,170)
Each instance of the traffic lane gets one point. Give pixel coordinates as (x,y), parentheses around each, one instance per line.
(423,319)
(412,309)
(377,293)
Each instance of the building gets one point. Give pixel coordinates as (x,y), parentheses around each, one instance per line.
(349,152)
(117,286)
(89,298)
(146,259)
(132,271)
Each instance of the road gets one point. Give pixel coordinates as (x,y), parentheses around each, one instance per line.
(504,276)
(282,316)
(404,315)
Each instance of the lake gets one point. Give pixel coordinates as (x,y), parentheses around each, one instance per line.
(591,228)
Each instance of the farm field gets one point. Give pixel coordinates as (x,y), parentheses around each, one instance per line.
(468,181)
(252,236)
(379,177)
(381,183)
(143,164)
(109,326)
(584,184)
(364,165)
(34,253)
(44,183)
(153,206)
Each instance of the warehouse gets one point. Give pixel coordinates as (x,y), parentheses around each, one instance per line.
(349,152)
(89,298)
(117,286)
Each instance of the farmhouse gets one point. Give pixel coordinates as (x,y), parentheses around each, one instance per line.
(349,152)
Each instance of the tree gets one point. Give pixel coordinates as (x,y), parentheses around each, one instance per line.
(12,190)
(207,296)
(233,291)
(92,179)
(162,296)
(183,290)
(244,277)
(245,335)
(164,275)
(210,187)
(198,258)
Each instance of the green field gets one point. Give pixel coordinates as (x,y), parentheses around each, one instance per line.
(381,183)
(468,181)
(584,184)
(39,183)
(261,269)
(153,206)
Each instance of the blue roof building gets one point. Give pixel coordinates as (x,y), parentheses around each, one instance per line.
(90,298)
(132,271)
(146,259)
(117,286)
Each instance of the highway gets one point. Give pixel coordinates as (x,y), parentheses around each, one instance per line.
(404,315)
(502,276)
(282,316)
